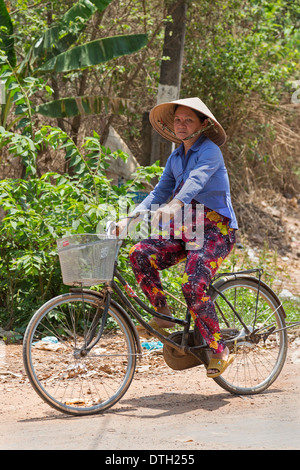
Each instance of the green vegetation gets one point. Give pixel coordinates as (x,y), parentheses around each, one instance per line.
(40,210)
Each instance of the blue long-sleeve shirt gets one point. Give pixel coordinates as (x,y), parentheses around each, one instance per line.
(204,176)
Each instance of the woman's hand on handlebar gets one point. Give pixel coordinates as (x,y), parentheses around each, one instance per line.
(120,226)
(167,212)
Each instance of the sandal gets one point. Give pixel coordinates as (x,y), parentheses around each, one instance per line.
(146,334)
(220,365)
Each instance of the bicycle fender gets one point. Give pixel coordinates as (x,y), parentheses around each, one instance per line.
(232,277)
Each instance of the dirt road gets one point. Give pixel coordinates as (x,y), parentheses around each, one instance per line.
(163,410)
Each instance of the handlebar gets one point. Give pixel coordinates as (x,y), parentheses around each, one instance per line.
(111,225)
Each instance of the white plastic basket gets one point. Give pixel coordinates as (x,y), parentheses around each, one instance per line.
(87,259)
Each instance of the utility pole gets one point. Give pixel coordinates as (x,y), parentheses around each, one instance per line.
(170,71)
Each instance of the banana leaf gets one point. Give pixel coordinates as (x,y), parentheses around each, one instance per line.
(94,53)
(53,41)
(6,34)
(82,105)
(83,9)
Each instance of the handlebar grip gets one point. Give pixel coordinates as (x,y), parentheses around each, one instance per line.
(111,225)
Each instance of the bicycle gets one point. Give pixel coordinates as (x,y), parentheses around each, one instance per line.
(98,346)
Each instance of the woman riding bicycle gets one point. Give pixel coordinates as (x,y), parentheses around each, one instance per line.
(195,174)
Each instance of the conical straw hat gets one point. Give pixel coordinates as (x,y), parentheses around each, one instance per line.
(162,120)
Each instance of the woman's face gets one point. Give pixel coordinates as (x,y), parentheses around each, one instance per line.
(186,122)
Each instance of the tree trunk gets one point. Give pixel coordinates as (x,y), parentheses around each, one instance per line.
(170,72)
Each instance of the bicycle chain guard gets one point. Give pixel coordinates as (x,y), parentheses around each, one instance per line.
(179,360)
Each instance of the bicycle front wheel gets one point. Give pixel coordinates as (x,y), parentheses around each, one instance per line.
(258,340)
(67,365)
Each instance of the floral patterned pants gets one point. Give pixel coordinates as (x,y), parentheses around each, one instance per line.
(150,256)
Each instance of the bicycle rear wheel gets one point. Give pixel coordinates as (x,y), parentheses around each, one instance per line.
(62,368)
(260,354)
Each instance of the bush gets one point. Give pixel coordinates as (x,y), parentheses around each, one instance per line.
(40,210)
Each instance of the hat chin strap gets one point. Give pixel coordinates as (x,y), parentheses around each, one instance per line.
(203,129)
(164,127)
(193,135)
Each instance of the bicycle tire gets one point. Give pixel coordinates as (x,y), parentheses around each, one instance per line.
(258,361)
(68,380)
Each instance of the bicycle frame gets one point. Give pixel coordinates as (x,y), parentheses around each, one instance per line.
(197,351)
(185,323)
(105,301)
